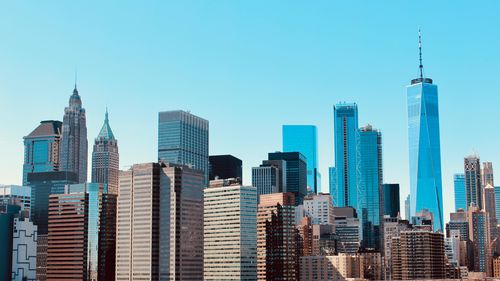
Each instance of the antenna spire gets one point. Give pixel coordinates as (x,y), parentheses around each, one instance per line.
(420,54)
(76,78)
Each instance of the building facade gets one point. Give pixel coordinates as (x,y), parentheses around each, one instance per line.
(224,167)
(105,158)
(74,146)
(418,254)
(277,247)
(183,139)
(319,207)
(370,205)
(24,241)
(460,194)
(345,141)
(230,248)
(41,149)
(295,171)
(304,139)
(425,149)
(473,185)
(160,223)
(77,220)
(15,194)
(391,200)
(479,234)
(487,174)
(332,184)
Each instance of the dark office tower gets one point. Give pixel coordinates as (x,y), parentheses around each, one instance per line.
(77,222)
(304,139)
(487,174)
(424,147)
(345,139)
(105,158)
(473,187)
(224,167)
(418,254)
(41,149)
(183,139)
(42,186)
(74,146)
(296,173)
(391,200)
(369,184)
(479,234)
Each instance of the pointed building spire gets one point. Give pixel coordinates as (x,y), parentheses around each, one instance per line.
(75,90)
(421,66)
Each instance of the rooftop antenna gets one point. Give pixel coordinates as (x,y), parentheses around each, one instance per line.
(420,54)
(76,76)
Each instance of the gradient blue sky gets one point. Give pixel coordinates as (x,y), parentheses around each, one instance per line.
(249,67)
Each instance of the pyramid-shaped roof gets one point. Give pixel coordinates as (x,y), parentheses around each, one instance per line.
(106,132)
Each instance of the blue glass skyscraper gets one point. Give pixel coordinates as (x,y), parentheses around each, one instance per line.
(304,139)
(424,148)
(459,188)
(345,139)
(369,182)
(332,178)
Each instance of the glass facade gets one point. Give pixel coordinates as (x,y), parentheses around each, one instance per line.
(391,200)
(42,186)
(424,149)
(41,149)
(295,171)
(345,139)
(304,139)
(183,139)
(332,178)
(369,182)
(459,188)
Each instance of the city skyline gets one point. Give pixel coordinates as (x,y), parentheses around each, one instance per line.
(59,85)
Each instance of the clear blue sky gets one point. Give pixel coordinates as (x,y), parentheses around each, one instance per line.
(249,67)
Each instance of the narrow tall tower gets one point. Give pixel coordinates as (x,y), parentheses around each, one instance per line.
(424,146)
(74,146)
(105,158)
(345,138)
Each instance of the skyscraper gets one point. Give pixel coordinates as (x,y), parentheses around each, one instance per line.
(74,146)
(369,177)
(479,234)
(490,208)
(105,158)
(332,184)
(319,208)
(183,139)
(225,167)
(230,248)
(424,147)
(41,149)
(391,200)
(487,174)
(304,139)
(407,208)
(277,249)
(160,223)
(345,139)
(473,186)
(76,221)
(497,200)
(42,186)
(268,179)
(296,173)
(459,188)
